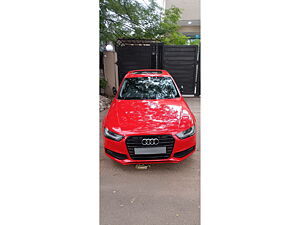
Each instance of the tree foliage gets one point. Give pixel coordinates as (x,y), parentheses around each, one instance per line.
(132,19)
(194,42)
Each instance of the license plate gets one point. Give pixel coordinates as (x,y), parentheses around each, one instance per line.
(153,150)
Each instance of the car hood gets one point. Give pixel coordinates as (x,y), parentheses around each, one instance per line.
(129,117)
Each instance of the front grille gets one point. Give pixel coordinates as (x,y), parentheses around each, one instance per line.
(136,142)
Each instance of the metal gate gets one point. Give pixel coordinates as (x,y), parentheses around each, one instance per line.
(181,62)
(133,58)
(198,81)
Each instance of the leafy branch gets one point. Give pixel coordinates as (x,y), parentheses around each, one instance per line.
(132,19)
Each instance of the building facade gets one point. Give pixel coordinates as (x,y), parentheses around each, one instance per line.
(190,17)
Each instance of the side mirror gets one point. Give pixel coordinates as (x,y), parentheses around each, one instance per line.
(114,90)
(181,89)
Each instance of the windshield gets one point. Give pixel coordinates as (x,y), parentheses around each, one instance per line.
(148,88)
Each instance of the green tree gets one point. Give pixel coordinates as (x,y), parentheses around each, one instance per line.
(131,19)
(194,42)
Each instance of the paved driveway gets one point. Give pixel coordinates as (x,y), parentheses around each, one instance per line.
(162,194)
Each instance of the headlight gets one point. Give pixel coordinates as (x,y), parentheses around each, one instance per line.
(187,133)
(111,135)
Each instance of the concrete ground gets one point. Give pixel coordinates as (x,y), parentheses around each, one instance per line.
(163,194)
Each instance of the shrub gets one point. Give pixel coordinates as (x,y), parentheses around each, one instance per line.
(103,83)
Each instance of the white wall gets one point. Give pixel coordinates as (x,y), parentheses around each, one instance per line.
(191,8)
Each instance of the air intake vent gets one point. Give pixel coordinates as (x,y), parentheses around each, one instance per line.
(184,153)
(116,154)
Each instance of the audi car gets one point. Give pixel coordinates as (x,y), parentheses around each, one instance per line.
(149,121)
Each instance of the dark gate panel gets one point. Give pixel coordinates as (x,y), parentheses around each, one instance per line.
(181,62)
(133,58)
(198,81)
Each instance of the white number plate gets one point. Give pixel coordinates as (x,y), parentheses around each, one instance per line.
(153,150)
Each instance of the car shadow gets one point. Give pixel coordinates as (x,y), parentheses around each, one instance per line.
(161,167)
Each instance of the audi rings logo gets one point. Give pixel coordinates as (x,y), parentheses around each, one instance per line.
(150,141)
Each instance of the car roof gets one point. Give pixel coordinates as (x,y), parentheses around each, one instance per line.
(147,73)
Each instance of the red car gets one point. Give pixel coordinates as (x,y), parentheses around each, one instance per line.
(149,121)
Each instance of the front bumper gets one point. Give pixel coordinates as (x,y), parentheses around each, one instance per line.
(182,149)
